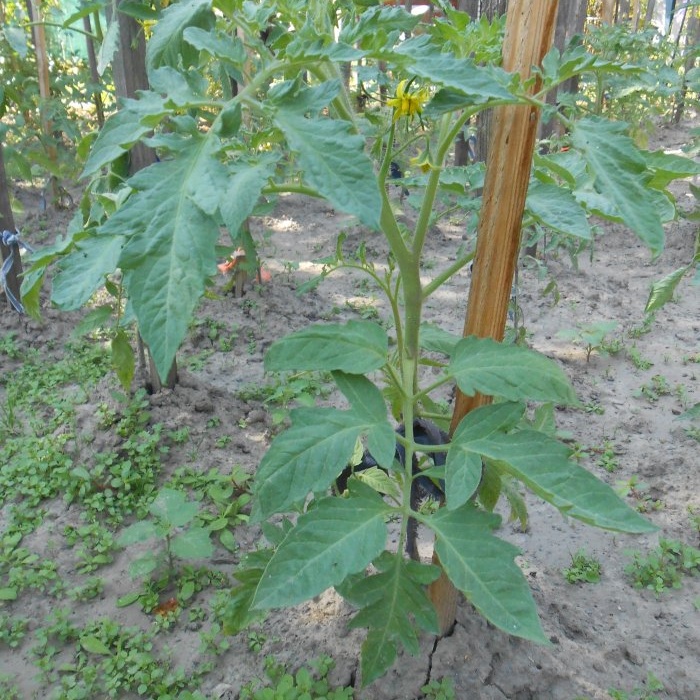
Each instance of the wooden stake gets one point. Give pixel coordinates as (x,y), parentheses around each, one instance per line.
(529,32)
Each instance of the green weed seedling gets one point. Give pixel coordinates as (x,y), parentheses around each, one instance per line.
(658,387)
(308,683)
(653,684)
(664,567)
(592,337)
(608,457)
(439,690)
(639,491)
(637,360)
(583,569)
(171,524)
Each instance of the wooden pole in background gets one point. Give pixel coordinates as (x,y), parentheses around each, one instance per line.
(529,33)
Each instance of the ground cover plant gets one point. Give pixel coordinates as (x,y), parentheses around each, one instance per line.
(391,373)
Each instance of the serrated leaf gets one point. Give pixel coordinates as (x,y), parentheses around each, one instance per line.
(166,46)
(223,47)
(308,456)
(356,347)
(368,404)
(378,480)
(138,532)
(334,163)
(482,567)
(435,339)
(558,209)
(123,360)
(93,645)
(123,129)
(479,83)
(193,543)
(509,371)
(109,46)
(391,602)
(172,507)
(621,173)
(667,167)
(241,191)
(338,537)
(83,271)
(463,468)
(662,290)
(543,465)
(375,24)
(171,249)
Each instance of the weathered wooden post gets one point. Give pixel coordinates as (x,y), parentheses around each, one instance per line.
(529,32)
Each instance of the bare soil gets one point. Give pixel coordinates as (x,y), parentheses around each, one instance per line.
(604,635)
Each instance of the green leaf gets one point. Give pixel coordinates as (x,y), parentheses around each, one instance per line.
(93,645)
(228,540)
(621,174)
(166,45)
(221,46)
(338,537)
(241,191)
(435,339)
(83,271)
(509,371)
(138,532)
(543,465)
(8,593)
(172,508)
(463,469)
(368,405)
(307,457)
(478,83)
(187,590)
(143,566)
(390,602)
(483,568)
(356,347)
(334,163)
(662,290)
(667,167)
(375,25)
(170,253)
(558,209)
(109,46)
(128,599)
(378,480)
(193,543)
(123,359)
(122,130)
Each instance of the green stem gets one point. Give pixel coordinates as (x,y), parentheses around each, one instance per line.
(444,276)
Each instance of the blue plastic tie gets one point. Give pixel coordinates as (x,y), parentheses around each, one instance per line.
(13,242)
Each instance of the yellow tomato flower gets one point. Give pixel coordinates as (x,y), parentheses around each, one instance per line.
(407,104)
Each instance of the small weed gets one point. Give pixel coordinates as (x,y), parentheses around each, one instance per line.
(9,347)
(594,407)
(646,693)
(256,641)
(658,387)
(583,569)
(180,436)
(171,513)
(308,683)
(439,690)
(643,328)
(608,457)
(12,630)
(592,337)
(639,491)
(664,567)
(213,422)
(637,360)
(223,441)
